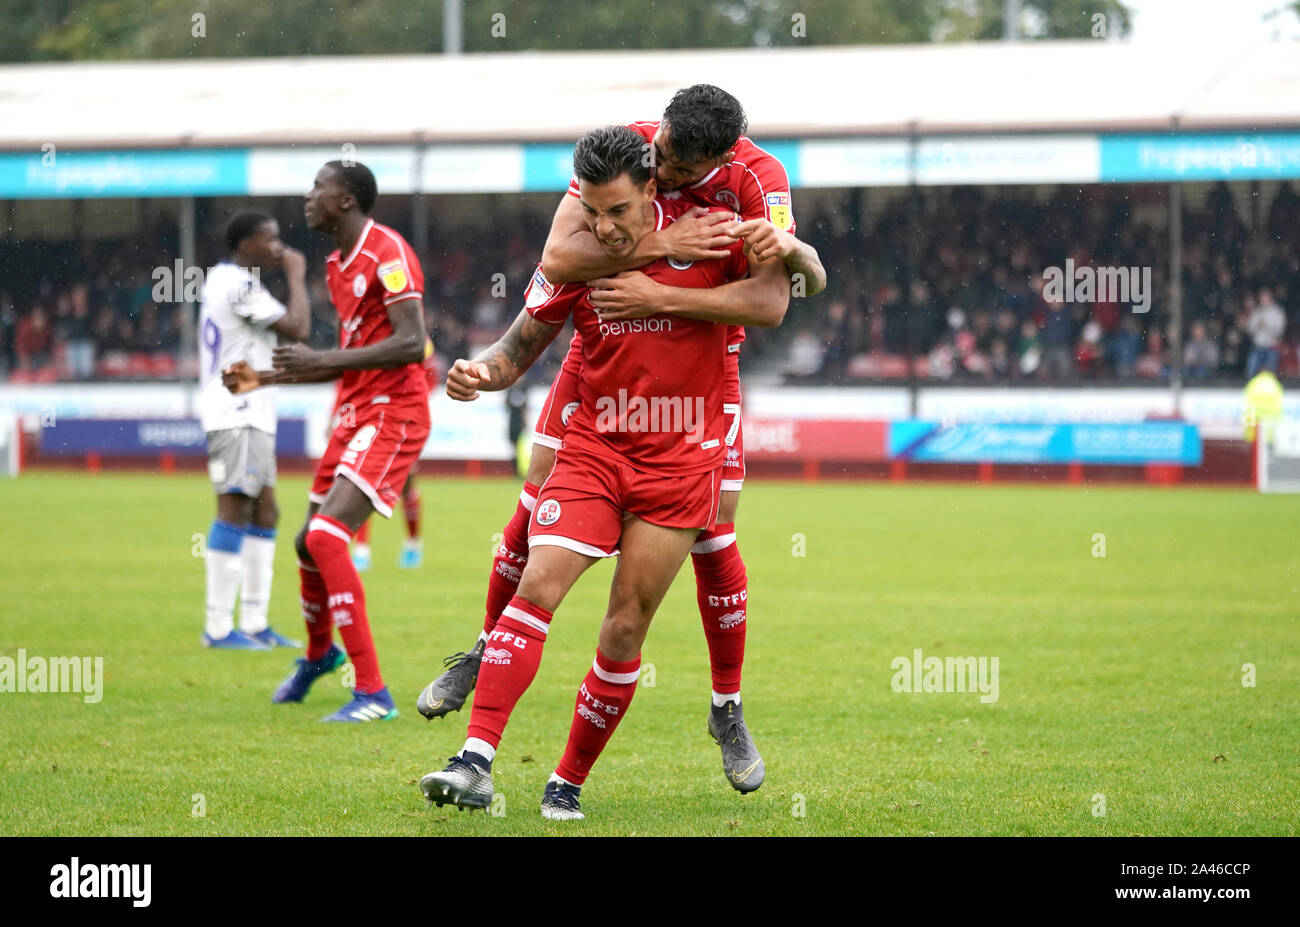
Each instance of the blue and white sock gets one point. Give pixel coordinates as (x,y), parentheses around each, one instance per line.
(258,568)
(225,542)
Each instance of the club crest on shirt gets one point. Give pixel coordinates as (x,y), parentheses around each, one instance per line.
(568,410)
(393,276)
(359,285)
(778,211)
(679,265)
(728,199)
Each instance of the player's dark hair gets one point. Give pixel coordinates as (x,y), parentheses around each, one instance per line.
(605,154)
(704,122)
(358,181)
(241,226)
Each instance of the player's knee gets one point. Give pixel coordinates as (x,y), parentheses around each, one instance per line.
(727,509)
(267,515)
(300,545)
(540,586)
(623,633)
(540,464)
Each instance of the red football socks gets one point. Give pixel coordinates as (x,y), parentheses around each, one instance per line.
(327,542)
(722,594)
(603,699)
(510,661)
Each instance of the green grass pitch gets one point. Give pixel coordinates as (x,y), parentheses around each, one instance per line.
(1119,676)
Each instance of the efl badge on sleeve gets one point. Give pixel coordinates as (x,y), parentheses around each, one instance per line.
(540,291)
(778,211)
(393,276)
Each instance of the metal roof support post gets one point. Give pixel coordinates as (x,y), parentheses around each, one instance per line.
(189,343)
(1176,294)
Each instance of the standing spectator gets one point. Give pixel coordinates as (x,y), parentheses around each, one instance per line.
(34,340)
(73,328)
(1058,341)
(1265,327)
(1201,355)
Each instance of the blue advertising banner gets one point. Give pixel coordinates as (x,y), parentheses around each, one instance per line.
(1249,156)
(1131,443)
(59,174)
(136,437)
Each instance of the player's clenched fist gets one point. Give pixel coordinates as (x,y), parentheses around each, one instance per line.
(464,379)
(763,239)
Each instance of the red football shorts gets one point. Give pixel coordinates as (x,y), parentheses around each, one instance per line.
(563,399)
(375,449)
(561,402)
(584,502)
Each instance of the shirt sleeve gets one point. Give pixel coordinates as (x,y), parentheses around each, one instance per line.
(399,273)
(251,302)
(765,194)
(549,302)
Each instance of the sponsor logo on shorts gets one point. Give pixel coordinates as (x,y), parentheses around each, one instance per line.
(568,410)
(651,414)
(497,655)
(548,513)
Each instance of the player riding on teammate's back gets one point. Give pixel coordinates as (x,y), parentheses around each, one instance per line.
(701,158)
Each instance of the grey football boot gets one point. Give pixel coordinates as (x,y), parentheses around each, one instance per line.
(741,762)
(448,692)
(461,784)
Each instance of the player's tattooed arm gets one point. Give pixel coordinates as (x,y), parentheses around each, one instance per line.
(572,253)
(499,366)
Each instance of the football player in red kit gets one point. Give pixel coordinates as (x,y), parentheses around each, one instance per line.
(702,158)
(382,422)
(638,477)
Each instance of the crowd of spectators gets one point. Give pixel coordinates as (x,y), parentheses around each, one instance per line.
(950,285)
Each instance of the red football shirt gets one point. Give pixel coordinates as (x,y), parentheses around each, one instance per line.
(380,270)
(651,389)
(753,184)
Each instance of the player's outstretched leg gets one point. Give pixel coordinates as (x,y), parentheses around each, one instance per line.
(513,654)
(723,596)
(449,691)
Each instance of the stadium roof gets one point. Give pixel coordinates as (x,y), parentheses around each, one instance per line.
(554,96)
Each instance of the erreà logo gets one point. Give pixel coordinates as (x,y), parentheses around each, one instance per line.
(104,880)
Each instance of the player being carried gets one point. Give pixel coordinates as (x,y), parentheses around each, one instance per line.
(381,423)
(701,157)
(639,474)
